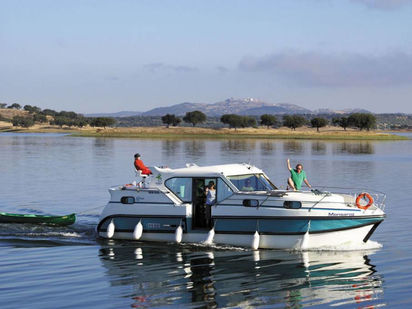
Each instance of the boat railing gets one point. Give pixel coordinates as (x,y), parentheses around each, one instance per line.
(350,194)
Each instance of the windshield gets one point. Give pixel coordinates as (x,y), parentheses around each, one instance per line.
(252,182)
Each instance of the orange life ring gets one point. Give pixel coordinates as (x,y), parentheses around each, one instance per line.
(361,196)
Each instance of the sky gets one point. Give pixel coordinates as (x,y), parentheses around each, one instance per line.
(100,56)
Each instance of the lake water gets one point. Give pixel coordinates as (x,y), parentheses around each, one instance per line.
(51,267)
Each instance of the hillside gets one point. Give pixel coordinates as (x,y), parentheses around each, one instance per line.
(245,106)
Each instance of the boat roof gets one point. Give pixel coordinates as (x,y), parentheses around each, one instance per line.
(192,170)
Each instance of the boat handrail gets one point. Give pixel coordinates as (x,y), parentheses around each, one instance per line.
(379,197)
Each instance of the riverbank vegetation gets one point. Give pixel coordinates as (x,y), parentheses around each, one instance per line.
(195,124)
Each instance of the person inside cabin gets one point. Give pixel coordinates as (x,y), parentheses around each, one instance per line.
(210,193)
(248,186)
(139,165)
(297,176)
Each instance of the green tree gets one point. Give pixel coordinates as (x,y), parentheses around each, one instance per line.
(293,121)
(176,121)
(39,118)
(3,105)
(170,119)
(61,121)
(341,122)
(70,115)
(49,112)
(102,122)
(268,120)
(362,121)
(236,121)
(233,120)
(32,109)
(25,122)
(248,121)
(318,122)
(80,122)
(15,106)
(194,117)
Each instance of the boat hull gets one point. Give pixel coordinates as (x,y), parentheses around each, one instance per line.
(306,235)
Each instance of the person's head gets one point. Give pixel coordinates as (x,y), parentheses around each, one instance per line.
(247,182)
(211,184)
(137,156)
(299,168)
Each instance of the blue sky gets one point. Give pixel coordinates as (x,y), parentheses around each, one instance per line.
(108,56)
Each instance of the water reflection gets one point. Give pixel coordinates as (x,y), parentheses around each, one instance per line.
(235,146)
(318,148)
(103,147)
(293,147)
(194,148)
(210,278)
(170,146)
(267,147)
(354,148)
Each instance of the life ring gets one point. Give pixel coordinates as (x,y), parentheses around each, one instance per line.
(361,196)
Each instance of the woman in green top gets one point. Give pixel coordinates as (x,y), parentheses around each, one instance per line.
(297,176)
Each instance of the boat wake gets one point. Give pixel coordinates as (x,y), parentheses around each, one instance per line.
(351,246)
(77,234)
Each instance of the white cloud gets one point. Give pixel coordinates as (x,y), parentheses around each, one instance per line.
(348,69)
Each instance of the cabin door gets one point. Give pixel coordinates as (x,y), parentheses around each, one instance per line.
(201,213)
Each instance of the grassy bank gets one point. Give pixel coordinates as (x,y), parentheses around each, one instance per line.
(225,133)
(330,133)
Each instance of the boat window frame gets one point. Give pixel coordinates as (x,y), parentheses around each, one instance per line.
(125,200)
(258,178)
(177,195)
(292,203)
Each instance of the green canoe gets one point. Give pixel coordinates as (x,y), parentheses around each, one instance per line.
(37,219)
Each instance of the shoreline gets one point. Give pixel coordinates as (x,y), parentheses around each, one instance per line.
(329,133)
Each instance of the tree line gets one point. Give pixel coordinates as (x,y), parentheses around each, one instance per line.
(62,118)
(362,121)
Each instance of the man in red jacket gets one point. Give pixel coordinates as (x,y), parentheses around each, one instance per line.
(139,165)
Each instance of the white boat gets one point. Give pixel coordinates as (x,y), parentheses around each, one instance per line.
(249,211)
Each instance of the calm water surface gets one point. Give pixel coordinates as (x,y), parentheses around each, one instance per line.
(51,267)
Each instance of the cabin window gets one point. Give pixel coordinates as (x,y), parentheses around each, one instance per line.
(250,203)
(292,204)
(223,190)
(181,186)
(127,200)
(251,182)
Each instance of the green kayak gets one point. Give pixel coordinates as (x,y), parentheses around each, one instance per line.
(37,219)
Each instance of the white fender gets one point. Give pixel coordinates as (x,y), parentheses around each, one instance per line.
(110,229)
(210,236)
(256,240)
(138,230)
(179,234)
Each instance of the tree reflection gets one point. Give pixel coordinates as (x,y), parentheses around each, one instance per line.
(293,147)
(237,145)
(318,148)
(354,148)
(195,148)
(170,146)
(267,147)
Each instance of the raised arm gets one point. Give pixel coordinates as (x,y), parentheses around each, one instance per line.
(288,162)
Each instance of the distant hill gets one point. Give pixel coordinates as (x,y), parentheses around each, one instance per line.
(118,114)
(245,106)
